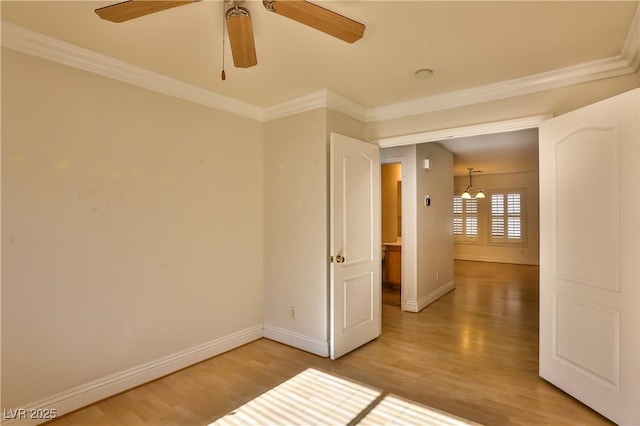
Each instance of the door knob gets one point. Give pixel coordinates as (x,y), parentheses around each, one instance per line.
(340,259)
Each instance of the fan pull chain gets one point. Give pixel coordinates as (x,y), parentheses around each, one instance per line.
(224,22)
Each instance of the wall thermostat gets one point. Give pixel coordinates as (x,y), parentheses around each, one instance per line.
(427,201)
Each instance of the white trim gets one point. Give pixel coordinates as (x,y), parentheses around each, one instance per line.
(406,263)
(88,393)
(297,340)
(459,132)
(491,259)
(411,306)
(346,106)
(295,106)
(40,45)
(321,99)
(425,301)
(582,73)
(407,156)
(631,49)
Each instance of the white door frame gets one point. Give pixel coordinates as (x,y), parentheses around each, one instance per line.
(409,204)
(487,128)
(408,259)
(531,122)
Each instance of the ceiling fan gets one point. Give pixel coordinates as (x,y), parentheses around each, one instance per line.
(238,21)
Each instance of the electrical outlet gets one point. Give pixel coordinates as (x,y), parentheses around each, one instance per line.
(292,312)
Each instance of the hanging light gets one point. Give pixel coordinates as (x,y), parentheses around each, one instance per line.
(467,192)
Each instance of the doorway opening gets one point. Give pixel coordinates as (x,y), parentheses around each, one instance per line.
(391,233)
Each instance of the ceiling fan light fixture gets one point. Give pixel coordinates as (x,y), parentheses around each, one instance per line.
(243,47)
(131,9)
(238,21)
(318,17)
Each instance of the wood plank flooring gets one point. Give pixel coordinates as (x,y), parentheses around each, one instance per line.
(473,353)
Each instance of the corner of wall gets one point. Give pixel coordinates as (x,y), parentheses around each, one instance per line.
(296,229)
(297,340)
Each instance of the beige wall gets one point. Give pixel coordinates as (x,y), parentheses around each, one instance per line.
(132,227)
(296,226)
(427,240)
(135,226)
(340,123)
(296,185)
(435,223)
(529,252)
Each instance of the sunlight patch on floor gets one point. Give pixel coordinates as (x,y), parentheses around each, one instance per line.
(396,411)
(313,397)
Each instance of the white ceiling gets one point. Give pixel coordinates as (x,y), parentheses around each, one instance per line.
(506,152)
(467,44)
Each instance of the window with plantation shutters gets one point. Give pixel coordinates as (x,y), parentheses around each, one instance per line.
(505,220)
(465,219)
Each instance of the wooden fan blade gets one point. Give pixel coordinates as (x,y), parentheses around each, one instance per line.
(131,9)
(240,30)
(319,18)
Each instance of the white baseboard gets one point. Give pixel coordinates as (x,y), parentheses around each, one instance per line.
(411,306)
(88,393)
(490,259)
(423,302)
(297,340)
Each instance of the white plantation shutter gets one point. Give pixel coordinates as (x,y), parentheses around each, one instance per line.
(506,217)
(497,216)
(458,220)
(513,217)
(471,218)
(465,219)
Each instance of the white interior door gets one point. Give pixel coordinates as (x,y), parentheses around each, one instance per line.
(590,255)
(355,288)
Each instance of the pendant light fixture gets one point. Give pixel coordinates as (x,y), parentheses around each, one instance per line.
(467,193)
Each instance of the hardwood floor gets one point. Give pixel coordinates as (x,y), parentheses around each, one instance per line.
(473,353)
(391,295)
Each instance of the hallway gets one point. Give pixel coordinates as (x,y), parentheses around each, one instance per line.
(473,353)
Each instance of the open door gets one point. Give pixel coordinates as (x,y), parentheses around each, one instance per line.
(590,255)
(355,285)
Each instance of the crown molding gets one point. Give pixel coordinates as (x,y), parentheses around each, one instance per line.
(43,46)
(631,49)
(627,62)
(295,106)
(321,99)
(346,106)
(40,45)
(583,73)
